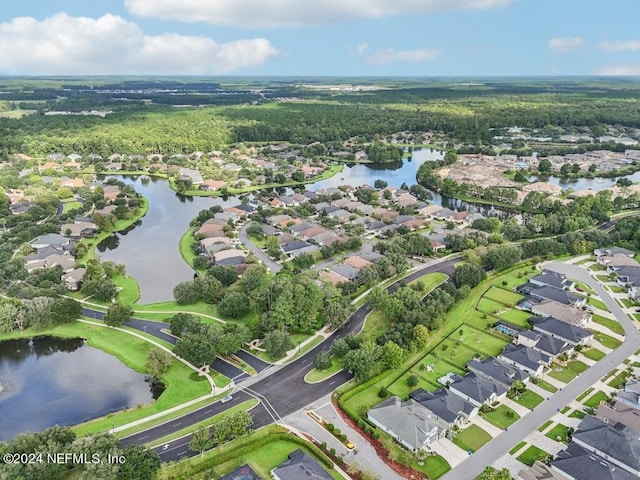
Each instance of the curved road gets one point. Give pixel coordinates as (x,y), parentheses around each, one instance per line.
(492,451)
(282,392)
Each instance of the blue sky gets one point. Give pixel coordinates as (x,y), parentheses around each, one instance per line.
(321,37)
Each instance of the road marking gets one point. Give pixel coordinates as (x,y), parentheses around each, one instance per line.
(332,382)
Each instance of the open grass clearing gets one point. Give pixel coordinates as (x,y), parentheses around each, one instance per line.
(607,340)
(597,268)
(505,297)
(455,352)
(617,289)
(531,455)
(502,417)
(67,206)
(515,316)
(612,325)
(471,438)
(577,366)
(562,374)
(478,340)
(402,389)
(375,325)
(595,400)
(429,282)
(490,306)
(529,399)
(435,466)
(432,368)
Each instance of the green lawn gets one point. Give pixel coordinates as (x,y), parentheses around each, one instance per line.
(531,454)
(603,278)
(529,399)
(617,289)
(503,296)
(577,414)
(594,400)
(429,282)
(517,317)
(547,386)
(434,368)
(597,268)
(501,417)
(545,425)
(456,353)
(559,433)
(471,438)
(598,304)
(593,354)
(612,325)
(478,340)
(577,366)
(67,206)
(402,389)
(435,466)
(128,291)
(490,306)
(584,394)
(627,303)
(606,340)
(565,409)
(517,447)
(375,325)
(316,375)
(563,374)
(185,247)
(619,380)
(584,260)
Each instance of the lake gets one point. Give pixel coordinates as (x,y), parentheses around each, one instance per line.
(47,381)
(595,184)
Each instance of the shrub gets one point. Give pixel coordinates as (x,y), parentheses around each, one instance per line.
(383,392)
(412,380)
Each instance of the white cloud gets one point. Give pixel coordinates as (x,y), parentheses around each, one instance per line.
(389,55)
(293,13)
(564,45)
(362,48)
(619,70)
(112,45)
(627,46)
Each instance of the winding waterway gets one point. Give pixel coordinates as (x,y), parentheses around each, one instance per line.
(47,381)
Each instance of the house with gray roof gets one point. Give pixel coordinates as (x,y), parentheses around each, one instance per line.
(540,294)
(194,176)
(244,472)
(49,240)
(566,313)
(73,278)
(300,466)
(576,462)
(525,358)
(611,251)
(408,422)
(630,395)
(551,279)
(478,390)
(618,443)
(497,371)
(347,271)
(562,330)
(447,409)
(297,247)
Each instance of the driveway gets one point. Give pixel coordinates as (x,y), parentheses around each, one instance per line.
(500,445)
(264,258)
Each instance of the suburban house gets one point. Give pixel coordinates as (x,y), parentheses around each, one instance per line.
(619,444)
(566,313)
(79,229)
(497,371)
(619,413)
(298,466)
(630,395)
(408,422)
(73,279)
(297,247)
(537,294)
(576,462)
(525,358)
(194,176)
(551,279)
(562,330)
(447,409)
(66,262)
(244,472)
(347,272)
(50,240)
(545,343)
(478,390)
(212,185)
(611,251)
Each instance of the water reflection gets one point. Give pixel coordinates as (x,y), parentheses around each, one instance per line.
(49,381)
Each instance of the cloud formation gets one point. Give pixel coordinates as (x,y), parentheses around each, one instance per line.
(110,44)
(626,46)
(293,13)
(389,55)
(565,45)
(619,70)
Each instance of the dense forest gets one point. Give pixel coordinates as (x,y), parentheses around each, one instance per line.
(144,120)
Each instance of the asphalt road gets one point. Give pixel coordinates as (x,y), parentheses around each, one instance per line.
(257,251)
(500,445)
(282,392)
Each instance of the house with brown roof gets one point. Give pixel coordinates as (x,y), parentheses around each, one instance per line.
(357,262)
(212,185)
(72,182)
(210,230)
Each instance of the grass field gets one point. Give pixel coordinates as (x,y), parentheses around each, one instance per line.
(67,206)
(619,380)
(456,353)
(595,399)
(402,389)
(593,354)
(559,433)
(547,386)
(503,296)
(627,303)
(490,306)
(598,304)
(435,466)
(569,372)
(471,438)
(612,325)
(438,369)
(529,399)
(375,324)
(517,317)
(501,417)
(478,340)
(429,282)
(531,454)
(607,341)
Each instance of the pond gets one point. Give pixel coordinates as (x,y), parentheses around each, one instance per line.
(149,249)
(577,184)
(47,381)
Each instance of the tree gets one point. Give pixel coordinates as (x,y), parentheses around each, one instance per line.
(277,343)
(545,166)
(142,463)
(37,312)
(380,184)
(593,168)
(198,348)
(392,355)
(322,361)
(117,314)
(336,313)
(158,362)
(468,274)
(180,322)
(575,168)
(185,294)
(420,336)
(491,473)
(500,258)
(65,310)
(101,288)
(201,440)
(565,169)
(234,304)
(339,348)
(8,313)
(520,177)
(227,275)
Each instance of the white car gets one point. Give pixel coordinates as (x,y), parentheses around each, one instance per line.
(226,399)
